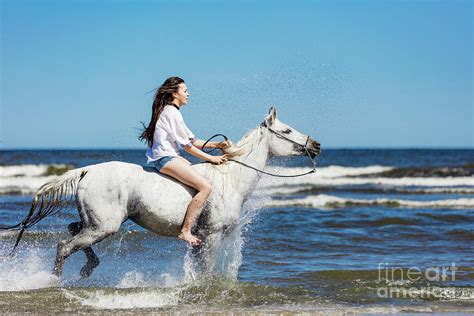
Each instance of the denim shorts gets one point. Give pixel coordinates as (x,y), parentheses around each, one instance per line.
(160,163)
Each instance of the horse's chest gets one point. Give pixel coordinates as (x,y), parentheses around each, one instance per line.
(223,212)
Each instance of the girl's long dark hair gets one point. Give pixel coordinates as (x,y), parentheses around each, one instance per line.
(163,96)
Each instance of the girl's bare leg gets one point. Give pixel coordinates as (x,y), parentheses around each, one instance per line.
(181,170)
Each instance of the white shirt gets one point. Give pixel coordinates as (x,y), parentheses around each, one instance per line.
(170,133)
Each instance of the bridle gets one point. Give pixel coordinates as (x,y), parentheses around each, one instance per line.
(305,147)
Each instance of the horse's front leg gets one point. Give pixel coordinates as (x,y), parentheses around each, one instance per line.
(204,257)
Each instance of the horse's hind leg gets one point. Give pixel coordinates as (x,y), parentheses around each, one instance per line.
(92,259)
(84,239)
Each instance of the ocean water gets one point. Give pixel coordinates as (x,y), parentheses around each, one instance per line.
(372,231)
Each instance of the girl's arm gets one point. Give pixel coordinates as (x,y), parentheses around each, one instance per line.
(200,142)
(193,150)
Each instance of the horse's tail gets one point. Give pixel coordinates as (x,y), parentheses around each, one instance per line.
(51,197)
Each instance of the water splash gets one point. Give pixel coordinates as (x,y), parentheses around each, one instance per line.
(229,258)
(28,273)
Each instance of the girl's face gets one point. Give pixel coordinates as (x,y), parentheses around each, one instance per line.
(181,96)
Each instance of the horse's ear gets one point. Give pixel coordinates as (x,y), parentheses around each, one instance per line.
(270,118)
(273,112)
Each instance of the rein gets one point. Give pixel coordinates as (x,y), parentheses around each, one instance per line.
(305,147)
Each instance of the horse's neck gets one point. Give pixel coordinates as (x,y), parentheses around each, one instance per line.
(256,155)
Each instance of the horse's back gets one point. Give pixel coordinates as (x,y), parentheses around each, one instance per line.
(151,199)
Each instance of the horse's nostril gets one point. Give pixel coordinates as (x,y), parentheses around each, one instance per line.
(316,143)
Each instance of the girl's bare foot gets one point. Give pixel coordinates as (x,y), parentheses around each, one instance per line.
(190,238)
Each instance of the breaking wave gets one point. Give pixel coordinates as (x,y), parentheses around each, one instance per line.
(26,179)
(324,201)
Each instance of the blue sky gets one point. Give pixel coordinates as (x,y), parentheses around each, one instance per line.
(75,74)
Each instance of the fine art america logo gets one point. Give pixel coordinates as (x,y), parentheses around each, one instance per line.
(397,280)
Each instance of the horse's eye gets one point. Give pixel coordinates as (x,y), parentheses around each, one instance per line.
(286,131)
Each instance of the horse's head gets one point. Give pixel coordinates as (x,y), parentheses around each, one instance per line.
(287,141)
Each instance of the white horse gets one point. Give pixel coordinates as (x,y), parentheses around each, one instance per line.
(107,194)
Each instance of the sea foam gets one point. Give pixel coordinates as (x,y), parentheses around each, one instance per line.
(101,299)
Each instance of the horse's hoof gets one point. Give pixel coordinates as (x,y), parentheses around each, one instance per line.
(86,270)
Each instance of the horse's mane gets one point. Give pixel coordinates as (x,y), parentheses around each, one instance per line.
(245,144)
(236,151)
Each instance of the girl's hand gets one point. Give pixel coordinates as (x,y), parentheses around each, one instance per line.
(218,159)
(224,144)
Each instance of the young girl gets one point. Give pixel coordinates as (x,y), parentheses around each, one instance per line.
(165,133)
